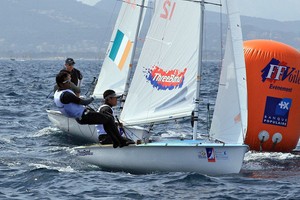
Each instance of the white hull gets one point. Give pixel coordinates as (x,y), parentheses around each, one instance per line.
(179,156)
(88,132)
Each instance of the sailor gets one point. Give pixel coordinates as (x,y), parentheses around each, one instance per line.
(110,100)
(76,76)
(74,107)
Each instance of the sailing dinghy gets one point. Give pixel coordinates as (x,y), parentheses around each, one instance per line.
(115,71)
(166,86)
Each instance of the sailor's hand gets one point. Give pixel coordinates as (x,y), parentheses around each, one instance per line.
(87,101)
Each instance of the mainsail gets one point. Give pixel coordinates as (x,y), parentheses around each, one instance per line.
(163,86)
(114,70)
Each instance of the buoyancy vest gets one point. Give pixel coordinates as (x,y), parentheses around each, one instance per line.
(71,110)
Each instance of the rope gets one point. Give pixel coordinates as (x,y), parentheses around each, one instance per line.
(261,143)
(121,127)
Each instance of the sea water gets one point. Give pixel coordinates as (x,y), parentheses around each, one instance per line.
(36,160)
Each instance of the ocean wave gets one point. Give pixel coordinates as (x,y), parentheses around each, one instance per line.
(45,131)
(44,167)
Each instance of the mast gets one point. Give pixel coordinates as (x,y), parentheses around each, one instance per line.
(199,72)
(132,56)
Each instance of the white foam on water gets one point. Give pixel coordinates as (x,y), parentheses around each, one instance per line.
(58,168)
(45,131)
(254,156)
(6,139)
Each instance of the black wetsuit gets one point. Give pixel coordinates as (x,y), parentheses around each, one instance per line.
(75,76)
(105,138)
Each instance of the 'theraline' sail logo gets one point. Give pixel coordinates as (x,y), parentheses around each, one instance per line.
(278,71)
(165,80)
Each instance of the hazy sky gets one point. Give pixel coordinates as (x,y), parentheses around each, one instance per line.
(282,10)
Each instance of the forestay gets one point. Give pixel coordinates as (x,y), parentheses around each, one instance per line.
(229,125)
(115,66)
(163,86)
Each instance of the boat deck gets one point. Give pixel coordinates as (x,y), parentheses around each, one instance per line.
(172,143)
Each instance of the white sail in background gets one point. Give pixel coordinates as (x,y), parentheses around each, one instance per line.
(115,66)
(229,125)
(163,86)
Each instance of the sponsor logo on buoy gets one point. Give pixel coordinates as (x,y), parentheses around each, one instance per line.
(277,111)
(279,71)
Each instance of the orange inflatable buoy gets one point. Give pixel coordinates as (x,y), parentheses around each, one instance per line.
(273,83)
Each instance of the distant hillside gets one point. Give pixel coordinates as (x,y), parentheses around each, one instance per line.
(286,32)
(60,28)
(52,28)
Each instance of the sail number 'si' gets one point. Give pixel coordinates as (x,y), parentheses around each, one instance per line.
(168,9)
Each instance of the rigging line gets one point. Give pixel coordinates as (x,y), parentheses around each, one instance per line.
(121,126)
(205,2)
(106,32)
(68,124)
(135,4)
(208,118)
(49,94)
(211,3)
(80,129)
(92,131)
(119,123)
(83,133)
(132,133)
(221,38)
(91,88)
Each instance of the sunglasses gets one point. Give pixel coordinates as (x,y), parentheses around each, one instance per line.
(67,81)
